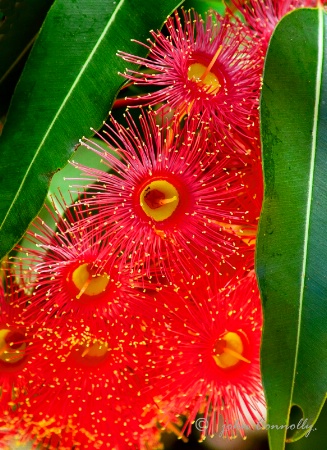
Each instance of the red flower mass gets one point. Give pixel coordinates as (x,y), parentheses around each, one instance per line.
(75,274)
(208,360)
(91,396)
(263,15)
(169,196)
(21,353)
(137,305)
(210,66)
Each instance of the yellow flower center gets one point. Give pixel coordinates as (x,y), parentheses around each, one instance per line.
(88,282)
(228,351)
(159,199)
(205,79)
(202,75)
(11,348)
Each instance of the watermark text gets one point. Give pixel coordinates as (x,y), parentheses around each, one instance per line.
(202,425)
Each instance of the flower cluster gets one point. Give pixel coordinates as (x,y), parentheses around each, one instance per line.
(135,308)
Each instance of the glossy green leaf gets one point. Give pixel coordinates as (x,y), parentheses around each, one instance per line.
(292,245)
(19,23)
(68,84)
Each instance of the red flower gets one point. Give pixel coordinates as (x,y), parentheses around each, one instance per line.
(164,200)
(263,15)
(155,422)
(210,66)
(251,202)
(91,398)
(76,274)
(21,353)
(208,355)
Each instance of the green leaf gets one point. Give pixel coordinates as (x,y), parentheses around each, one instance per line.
(68,84)
(62,180)
(313,439)
(19,23)
(60,188)
(292,245)
(202,6)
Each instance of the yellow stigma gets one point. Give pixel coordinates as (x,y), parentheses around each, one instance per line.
(10,351)
(88,283)
(228,351)
(159,200)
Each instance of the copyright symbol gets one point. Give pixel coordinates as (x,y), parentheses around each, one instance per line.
(201,424)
